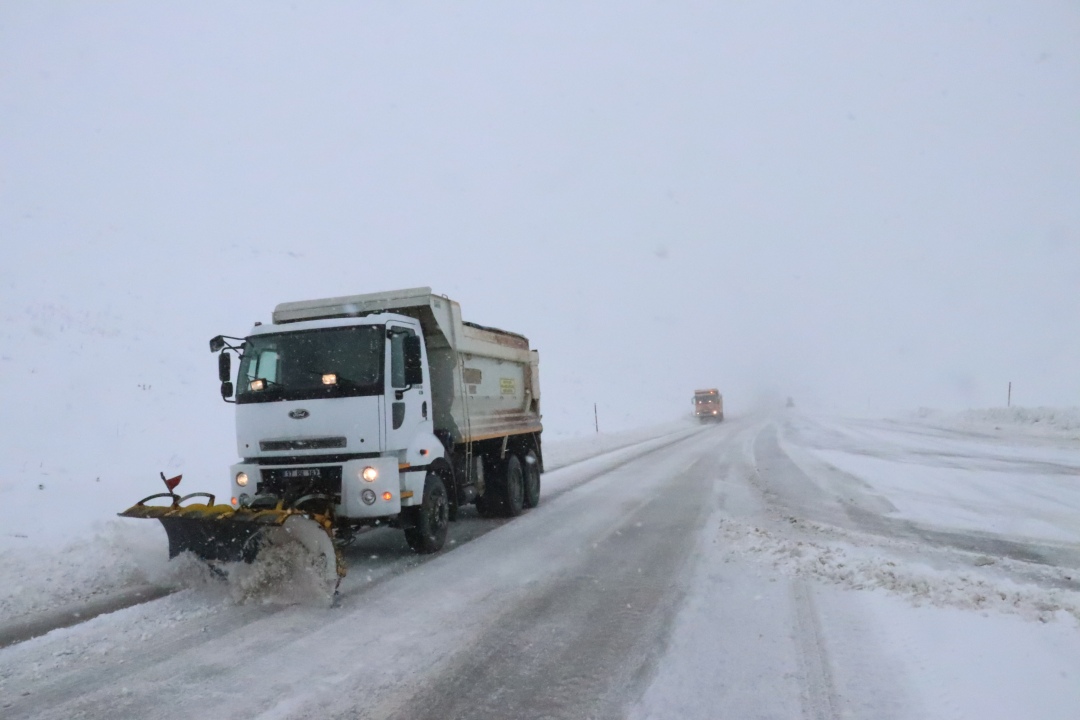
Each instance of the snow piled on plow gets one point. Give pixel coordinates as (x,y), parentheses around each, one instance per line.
(286,574)
(127,554)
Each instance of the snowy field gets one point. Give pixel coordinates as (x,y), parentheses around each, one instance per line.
(930,568)
(1013,473)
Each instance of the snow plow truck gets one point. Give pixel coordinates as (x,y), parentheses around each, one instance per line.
(708,405)
(360,411)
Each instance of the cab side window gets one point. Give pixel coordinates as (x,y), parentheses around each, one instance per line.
(265,366)
(397,356)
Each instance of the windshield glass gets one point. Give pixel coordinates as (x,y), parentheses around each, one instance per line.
(335,362)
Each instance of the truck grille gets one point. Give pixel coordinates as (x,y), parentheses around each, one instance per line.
(291,484)
(302,444)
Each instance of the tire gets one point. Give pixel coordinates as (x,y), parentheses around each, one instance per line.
(531,469)
(431,520)
(514,487)
(504,495)
(489,505)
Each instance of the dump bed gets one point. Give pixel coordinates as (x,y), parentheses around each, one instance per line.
(485,381)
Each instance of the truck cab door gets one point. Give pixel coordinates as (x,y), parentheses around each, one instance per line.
(408,403)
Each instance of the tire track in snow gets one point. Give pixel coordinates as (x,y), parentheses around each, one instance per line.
(804,534)
(223,621)
(583,645)
(799,496)
(29,627)
(819,692)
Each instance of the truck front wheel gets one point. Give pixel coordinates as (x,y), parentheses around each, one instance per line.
(431,520)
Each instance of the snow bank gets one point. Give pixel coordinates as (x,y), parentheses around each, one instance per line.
(1038,420)
(862,566)
(569,450)
(35,579)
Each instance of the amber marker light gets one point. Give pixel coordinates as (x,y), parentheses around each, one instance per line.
(388,495)
(235,502)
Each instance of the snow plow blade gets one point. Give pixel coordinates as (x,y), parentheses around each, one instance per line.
(220,533)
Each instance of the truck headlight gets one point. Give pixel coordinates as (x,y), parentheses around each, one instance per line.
(369,474)
(242,479)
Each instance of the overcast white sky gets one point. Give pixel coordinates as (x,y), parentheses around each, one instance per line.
(867,206)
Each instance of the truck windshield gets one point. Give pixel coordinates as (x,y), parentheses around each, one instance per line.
(307,364)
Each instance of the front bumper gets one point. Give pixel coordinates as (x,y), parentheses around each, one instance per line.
(358,499)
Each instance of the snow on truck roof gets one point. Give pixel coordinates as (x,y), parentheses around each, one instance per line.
(354,306)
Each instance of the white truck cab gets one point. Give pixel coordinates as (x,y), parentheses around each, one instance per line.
(384,408)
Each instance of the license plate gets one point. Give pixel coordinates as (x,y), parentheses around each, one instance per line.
(302,473)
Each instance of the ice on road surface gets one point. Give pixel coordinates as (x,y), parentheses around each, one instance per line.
(780,566)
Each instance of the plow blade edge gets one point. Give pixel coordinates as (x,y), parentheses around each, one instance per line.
(219,533)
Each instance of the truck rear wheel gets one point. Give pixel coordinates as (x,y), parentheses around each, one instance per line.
(504,495)
(531,479)
(431,520)
(514,487)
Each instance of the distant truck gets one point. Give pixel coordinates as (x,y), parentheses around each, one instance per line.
(708,405)
(376,409)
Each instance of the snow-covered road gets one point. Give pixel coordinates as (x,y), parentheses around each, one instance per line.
(776,566)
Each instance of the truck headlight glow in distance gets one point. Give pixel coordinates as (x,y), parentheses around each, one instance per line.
(257,384)
(242,479)
(369,474)
(329,379)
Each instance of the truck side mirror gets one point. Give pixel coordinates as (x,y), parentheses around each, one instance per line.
(226,390)
(224,367)
(414,368)
(216,343)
